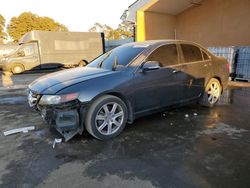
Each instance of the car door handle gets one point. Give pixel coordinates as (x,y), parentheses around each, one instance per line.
(176,71)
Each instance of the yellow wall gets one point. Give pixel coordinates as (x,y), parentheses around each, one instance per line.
(140,28)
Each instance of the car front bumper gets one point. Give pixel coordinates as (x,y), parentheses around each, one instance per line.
(66,118)
(60,116)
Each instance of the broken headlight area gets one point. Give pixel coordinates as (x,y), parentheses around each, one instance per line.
(63,117)
(57,99)
(33,98)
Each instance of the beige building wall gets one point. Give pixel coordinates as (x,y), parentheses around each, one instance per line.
(159,26)
(216,23)
(213,23)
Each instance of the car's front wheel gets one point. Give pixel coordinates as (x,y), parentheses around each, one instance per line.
(17,69)
(106,117)
(212,93)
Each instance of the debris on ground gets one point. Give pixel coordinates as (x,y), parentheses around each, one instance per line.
(57,141)
(6,79)
(186,115)
(195,114)
(222,128)
(19,130)
(171,124)
(164,114)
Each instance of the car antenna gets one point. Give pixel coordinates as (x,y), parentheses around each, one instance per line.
(101,62)
(115,63)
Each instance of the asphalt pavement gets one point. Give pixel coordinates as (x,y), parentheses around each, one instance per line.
(190,146)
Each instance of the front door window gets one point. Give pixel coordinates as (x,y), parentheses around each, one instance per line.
(166,55)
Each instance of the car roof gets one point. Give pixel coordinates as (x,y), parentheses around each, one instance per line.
(149,42)
(157,43)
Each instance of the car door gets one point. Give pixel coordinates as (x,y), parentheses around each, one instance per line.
(159,87)
(196,65)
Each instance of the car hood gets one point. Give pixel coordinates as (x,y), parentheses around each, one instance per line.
(54,82)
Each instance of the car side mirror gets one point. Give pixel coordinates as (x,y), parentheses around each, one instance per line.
(151,65)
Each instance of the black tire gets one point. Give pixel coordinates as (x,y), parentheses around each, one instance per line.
(17,69)
(205,99)
(91,122)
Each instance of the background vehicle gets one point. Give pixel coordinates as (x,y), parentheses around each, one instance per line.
(127,82)
(46,49)
(5,49)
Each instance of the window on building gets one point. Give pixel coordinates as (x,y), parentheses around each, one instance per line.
(191,53)
(166,55)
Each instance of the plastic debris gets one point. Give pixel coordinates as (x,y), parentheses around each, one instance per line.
(195,114)
(19,130)
(186,115)
(57,141)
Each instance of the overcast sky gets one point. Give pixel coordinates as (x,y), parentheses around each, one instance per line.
(77,15)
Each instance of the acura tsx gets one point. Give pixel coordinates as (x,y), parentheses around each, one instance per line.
(128,82)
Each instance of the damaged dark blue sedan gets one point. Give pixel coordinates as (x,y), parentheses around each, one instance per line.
(127,82)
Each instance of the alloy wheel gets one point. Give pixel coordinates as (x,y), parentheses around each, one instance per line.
(109,118)
(214,92)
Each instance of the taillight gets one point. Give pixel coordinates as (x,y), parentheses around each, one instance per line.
(228,66)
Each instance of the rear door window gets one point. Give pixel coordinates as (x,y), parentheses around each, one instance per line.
(166,55)
(191,53)
(205,56)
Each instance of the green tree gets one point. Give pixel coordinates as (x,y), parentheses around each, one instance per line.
(2,26)
(124,30)
(28,21)
(107,30)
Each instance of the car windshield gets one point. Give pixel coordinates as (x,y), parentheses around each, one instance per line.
(26,49)
(121,56)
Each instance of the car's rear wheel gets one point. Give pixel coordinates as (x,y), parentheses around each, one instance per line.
(17,69)
(106,117)
(211,94)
